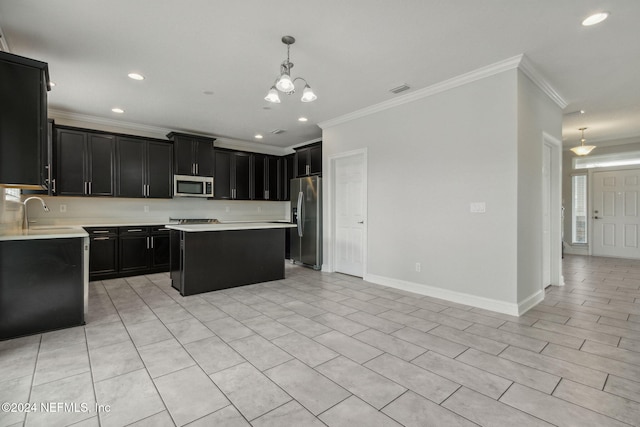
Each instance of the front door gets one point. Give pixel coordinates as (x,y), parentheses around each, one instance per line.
(350,214)
(615,213)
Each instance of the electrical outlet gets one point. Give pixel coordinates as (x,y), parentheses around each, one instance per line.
(259,208)
(418,267)
(227,209)
(146,208)
(63,208)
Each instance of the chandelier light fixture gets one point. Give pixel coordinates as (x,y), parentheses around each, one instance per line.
(284,83)
(583,150)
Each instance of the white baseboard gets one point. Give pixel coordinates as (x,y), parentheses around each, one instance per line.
(454,296)
(576,250)
(530,302)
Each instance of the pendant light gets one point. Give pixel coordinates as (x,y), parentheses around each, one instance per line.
(284,83)
(583,150)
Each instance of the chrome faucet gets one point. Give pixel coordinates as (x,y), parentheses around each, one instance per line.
(25,219)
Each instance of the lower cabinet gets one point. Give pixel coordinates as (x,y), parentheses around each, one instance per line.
(127,251)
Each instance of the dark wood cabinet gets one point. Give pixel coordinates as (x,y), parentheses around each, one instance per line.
(103,252)
(288,173)
(193,155)
(308,160)
(23,130)
(127,251)
(144,168)
(85,163)
(233,175)
(266,177)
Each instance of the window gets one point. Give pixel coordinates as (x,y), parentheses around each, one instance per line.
(579,209)
(12,194)
(607,160)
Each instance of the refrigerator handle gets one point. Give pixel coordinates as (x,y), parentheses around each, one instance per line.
(300,214)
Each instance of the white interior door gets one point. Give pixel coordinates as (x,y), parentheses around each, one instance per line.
(350,205)
(546,217)
(616,220)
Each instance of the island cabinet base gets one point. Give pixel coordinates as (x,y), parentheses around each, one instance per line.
(211,260)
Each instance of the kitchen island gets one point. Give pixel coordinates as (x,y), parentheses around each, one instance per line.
(209,257)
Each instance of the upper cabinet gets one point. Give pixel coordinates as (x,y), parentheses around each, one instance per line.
(144,168)
(193,155)
(85,163)
(266,177)
(308,160)
(232,179)
(23,121)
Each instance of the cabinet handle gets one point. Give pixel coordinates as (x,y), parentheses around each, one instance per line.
(90,189)
(134,230)
(266,194)
(147,242)
(308,169)
(53,181)
(162,229)
(100,231)
(197,168)
(151,239)
(101,238)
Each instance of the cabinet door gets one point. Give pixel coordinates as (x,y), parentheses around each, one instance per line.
(274,178)
(101,155)
(183,156)
(134,248)
(71,149)
(259,175)
(159,170)
(23,109)
(288,175)
(204,160)
(302,160)
(315,160)
(242,175)
(103,255)
(160,250)
(131,171)
(222,176)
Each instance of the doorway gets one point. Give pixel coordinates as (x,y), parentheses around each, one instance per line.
(348,173)
(551,203)
(615,213)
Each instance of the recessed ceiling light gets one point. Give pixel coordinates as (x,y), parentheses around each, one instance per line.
(258,136)
(596,18)
(208,92)
(117,110)
(302,119)
(136,76)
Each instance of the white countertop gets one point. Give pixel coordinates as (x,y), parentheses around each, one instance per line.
(43,232)
(229,226)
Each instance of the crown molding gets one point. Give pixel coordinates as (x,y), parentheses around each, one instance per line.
(4,46)
(518,61)
(161,132)
(530,71)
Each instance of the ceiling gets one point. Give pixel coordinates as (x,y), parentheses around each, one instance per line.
(351,53)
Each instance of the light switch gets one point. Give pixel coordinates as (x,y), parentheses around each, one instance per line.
(478,207)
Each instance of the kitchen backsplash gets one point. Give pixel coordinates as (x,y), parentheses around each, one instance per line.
(95,210)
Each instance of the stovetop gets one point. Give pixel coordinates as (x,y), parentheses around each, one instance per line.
(195,220)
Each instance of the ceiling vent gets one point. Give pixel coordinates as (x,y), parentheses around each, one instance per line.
(277,131)
(400,88)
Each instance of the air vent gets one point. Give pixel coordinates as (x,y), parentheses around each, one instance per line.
(277,131)
(400,88)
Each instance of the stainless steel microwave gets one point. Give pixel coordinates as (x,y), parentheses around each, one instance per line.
(192,186)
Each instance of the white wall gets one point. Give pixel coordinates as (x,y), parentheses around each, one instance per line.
(427,161)
(537,114)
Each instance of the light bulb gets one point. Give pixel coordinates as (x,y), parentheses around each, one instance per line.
(308,95)
(285,84)
(272,96)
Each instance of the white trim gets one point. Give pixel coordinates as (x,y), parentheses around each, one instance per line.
(530,71)
(555,171)
(518,61)
(530,302)
(454,296)
(330,220)
(161,132)
(577,249)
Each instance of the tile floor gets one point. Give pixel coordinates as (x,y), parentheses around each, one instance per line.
(318,349)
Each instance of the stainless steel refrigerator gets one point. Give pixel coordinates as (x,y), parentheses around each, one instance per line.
(306,212)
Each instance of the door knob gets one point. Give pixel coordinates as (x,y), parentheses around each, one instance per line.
(596,217)
(360,222)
